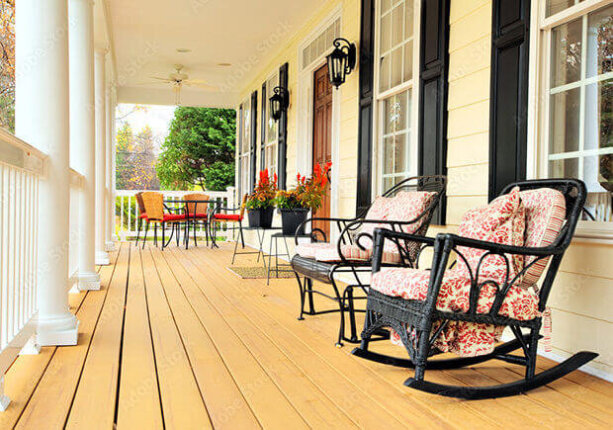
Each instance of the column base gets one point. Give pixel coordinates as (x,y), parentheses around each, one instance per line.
(102,258)
(110,246)
(4,400)
(88,281)
(31,347)
(58,331)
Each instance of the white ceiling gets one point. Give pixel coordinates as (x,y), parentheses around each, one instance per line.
(245,33)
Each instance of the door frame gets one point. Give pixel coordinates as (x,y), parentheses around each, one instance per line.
(304,115)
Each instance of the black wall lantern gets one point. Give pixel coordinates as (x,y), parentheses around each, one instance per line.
(279,102)
(341,61)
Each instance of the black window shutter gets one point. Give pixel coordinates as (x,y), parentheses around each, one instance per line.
(366,70)
(263,126)
(254,138)
(434,68)
(509,93)
(282,142)
(240,150)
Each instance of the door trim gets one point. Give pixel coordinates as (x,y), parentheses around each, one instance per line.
(304,119)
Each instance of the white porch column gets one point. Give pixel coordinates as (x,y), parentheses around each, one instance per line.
(102,257)
(42,119)
(83,133)
(110,170)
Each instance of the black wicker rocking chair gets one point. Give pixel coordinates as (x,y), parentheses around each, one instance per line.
(417,317)
(326,272)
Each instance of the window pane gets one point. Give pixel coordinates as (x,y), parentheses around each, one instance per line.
(555,6)
(395,113)
(397,19)
(408,61)
(599,115)
(566,49)
(400,153)
(408,19)
(388,155)
(385,39)
(564,121)
(396,66)
(600,42)
(384,73)
(598,177)
(566,168)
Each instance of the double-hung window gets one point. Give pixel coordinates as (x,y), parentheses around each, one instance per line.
(575,41)
(396,77)
(271,141)
(244,150)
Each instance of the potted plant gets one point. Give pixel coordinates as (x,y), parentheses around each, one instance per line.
(260,204)
(296,203)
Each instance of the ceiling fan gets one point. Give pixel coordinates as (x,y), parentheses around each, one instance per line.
(178,79)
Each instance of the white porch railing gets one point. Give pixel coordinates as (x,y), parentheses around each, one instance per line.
(126,210)
(21,169)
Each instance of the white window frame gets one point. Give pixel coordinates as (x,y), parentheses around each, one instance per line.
(268,144)
(380,97)
(538,100)
(244,133)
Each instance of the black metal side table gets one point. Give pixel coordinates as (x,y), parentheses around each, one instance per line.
(280,268)
(261,232)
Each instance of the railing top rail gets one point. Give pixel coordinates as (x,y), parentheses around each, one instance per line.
(119,193)
(76,178)
(17,153)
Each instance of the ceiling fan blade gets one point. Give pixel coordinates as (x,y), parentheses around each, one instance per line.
(200,84)
(161,79)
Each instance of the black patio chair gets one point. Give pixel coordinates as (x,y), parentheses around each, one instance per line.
(414,320)
(352,233)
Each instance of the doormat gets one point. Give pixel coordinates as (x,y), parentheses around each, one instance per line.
(259,272)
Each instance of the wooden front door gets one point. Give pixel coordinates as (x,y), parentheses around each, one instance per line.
(322,136)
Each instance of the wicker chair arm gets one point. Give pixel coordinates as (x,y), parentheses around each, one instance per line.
(499,248)
(381,234)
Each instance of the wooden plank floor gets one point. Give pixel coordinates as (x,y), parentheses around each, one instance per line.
(175,340)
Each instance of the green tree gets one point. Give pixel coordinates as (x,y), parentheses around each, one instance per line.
(199,150)
(123,148)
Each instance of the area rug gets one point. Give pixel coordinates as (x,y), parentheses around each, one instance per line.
(259,272)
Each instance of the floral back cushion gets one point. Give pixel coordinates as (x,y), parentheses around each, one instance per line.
(404,206)
(502,221)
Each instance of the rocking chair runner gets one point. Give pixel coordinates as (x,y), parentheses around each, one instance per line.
(420,322)
(352,252)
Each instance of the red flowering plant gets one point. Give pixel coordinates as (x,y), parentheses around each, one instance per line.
(264,193)
(309,191)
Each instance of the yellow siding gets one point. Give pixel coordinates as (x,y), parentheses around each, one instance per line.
(581,315)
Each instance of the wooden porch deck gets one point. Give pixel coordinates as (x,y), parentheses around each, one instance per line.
(175,340)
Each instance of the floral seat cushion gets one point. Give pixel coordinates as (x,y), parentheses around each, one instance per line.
(462,338)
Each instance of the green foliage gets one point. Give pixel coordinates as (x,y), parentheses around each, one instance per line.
(199,151)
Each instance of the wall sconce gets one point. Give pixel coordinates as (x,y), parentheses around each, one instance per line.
(279,102)
(341,61)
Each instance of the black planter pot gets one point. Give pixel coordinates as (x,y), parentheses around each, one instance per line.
(291,219)
(261,217)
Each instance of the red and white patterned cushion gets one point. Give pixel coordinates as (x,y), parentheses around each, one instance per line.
(404,206)
(502,221)
(465,339)
(545,215)
(308,250)
(353,252)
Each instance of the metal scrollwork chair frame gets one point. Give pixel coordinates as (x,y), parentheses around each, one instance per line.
(418,317)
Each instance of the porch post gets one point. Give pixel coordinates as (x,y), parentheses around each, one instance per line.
(102,257)
(110,143)
(42,119)
(83,133)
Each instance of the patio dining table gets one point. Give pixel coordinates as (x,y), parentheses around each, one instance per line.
(194,219)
